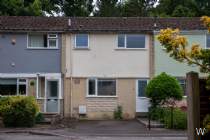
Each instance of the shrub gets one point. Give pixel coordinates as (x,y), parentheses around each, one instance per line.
(18,111)
(206,122)
(162,88)
(118,113)
(39,117)
(179,119)
(164,115)
(157,113)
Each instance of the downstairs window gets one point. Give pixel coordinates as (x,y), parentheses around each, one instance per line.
(101,87)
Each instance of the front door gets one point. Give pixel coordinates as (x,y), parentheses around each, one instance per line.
(142,102)
(52,91)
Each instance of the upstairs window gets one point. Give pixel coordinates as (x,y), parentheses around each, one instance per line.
(81,41)
(101,87)
(43,41)
(131,41)
(208,41)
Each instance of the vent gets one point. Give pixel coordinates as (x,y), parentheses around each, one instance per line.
(82,110)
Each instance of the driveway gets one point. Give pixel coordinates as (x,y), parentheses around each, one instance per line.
(129,128)
(95,130)
(41,137)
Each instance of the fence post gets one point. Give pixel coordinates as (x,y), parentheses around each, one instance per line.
(193,105)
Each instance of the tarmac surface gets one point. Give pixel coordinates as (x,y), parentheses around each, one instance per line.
(93,130)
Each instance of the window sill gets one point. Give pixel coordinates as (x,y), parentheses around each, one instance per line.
(101,96)
(81,49)
(143,49)
(40,48)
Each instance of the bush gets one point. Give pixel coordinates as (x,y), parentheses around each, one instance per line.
(118,113)
(179,119)
(164,115)
(39,117)
(206,122)
(162,88)
(18,111)
(157,113)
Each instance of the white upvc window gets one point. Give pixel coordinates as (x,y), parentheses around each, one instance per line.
(13,86)
(101,88)
(42,41)
(131,41)
(81,41)
(207,41)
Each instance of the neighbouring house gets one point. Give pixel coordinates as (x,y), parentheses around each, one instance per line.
(195,33)
(30,59)
(85,67)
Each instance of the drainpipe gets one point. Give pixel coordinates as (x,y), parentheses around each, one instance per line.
(71,79)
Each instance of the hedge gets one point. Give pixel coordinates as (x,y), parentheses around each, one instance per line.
(18,111)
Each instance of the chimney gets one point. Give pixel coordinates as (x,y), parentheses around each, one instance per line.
(69,22)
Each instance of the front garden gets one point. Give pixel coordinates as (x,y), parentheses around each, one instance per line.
(164,91)
(18,111)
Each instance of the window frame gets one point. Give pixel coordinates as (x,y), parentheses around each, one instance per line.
(18,83)
(185,84)
(206,46)
(137,87)
(81,47)
(48,39)
(125,42)
(96,87)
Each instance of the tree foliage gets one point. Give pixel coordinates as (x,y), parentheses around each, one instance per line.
(133,8)
(163,88)
(77,7)
(107,8)
(177,47)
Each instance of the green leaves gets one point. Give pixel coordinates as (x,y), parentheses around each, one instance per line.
(162,88)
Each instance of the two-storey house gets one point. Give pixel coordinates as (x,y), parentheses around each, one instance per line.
(88,66)
(30,59)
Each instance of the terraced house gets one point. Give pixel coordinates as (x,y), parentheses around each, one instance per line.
(87,67)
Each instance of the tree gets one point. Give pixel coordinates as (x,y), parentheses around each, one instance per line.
(77,7)
(202,7)
(28,7)
(182,8)
(176,47)
(162,89)
(133,8)
(107,8)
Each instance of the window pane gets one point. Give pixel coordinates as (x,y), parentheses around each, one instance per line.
(121,41)
(52,43)
(183,85)
(81,41)
(41,87)
(8,86)
(37,41)
(208,41)
(53,88)
(106,88)
(91,90)
(141,88)
(22,89)
(135,41)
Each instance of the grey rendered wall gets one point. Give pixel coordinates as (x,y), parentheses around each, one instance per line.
(27,60)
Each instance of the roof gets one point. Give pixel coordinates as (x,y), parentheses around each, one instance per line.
(32,23)
(97,24)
